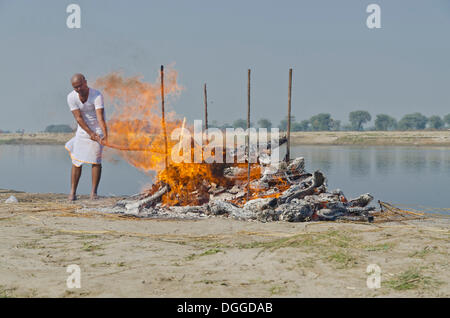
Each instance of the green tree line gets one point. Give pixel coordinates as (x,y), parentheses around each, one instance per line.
(358,121)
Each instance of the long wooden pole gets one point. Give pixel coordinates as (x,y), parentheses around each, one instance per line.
(163,120)
(206,106)
(248,136)
(288,148)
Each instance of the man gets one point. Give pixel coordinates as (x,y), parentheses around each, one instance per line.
(87,107)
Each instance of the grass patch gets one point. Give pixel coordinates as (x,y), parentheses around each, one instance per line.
(30,245)
(88,236)
(379,247)
(70,293)
(333,245)
(331,238)
(104,264)
(411,279)
(424,252)
(275,290)
(308,262)
(343,259)
(7,292)
(89,247)
(211,251)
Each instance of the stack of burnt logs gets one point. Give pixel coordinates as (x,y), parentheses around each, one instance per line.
(284,192)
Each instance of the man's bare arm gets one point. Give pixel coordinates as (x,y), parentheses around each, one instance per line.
(77,114)
(101,120)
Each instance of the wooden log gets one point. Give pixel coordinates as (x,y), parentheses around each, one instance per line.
(299,192)
(136,206)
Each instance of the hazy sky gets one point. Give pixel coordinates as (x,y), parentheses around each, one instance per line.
(339,64)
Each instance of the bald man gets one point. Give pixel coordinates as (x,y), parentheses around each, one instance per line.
(86,147)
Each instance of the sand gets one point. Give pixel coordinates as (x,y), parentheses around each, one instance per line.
(212,257)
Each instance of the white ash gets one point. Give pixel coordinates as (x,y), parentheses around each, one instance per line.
(305,199)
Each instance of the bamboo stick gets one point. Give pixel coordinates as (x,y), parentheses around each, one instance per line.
(248,136)
(288,148)
(206,106)
(163,120)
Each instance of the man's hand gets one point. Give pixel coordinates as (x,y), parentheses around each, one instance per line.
(104,141)
(95,137)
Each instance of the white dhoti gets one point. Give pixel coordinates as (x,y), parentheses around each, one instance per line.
(84,150)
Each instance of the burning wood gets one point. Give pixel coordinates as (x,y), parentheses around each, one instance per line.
(191,178)
(290,194)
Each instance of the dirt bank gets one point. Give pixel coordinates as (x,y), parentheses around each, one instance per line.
(372,138)
(212,257)
(35,139)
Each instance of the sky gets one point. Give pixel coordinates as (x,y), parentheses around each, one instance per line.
(339,64)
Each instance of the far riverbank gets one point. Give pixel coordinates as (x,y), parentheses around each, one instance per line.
(419,138)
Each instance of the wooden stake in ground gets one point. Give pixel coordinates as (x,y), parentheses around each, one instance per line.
(163,120)
(206,106)
(248,136)
(288,148)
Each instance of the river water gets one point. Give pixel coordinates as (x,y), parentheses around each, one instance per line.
(401,175)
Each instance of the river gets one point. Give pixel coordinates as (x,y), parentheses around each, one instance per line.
(400,175)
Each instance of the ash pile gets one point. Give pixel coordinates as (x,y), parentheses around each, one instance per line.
(282,192)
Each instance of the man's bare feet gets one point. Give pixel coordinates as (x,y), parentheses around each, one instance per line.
(72,197)
(94,196)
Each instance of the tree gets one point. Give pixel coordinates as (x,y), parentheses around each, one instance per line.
(301,126)
(447,119)
(358,118)
(335,125)
(240,123)
(283,123)
(58,129)
(385,122)
(321,122)
(435,122)
(347,127)
(264,123)
(412,121)
(213,124)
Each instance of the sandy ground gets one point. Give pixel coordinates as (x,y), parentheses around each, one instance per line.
(213,257)
(373,138)
(36,138)
(368,138)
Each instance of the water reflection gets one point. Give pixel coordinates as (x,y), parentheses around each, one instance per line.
(44,169)
(413,161)
(385,161)
(359,161)
(394,174)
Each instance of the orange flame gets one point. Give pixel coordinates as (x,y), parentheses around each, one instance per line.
(135,128)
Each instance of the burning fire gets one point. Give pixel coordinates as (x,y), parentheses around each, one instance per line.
(135,128)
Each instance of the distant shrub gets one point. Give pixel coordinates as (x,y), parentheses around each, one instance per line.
(58,129)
